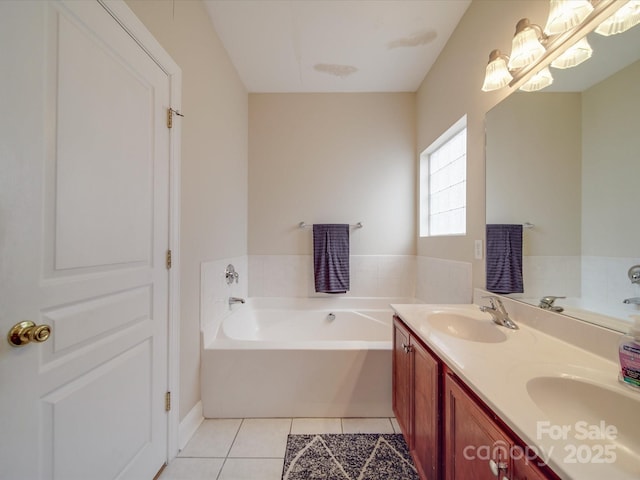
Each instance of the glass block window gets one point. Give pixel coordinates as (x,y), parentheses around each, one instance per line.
(443,184)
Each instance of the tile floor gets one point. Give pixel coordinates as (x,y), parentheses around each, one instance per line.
(253,448)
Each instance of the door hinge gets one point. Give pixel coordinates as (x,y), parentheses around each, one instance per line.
(170,112)
(167,402)
(168,259)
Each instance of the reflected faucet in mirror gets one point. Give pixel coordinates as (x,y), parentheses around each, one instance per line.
(546,303)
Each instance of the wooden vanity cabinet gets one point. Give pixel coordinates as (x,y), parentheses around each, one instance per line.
(450,432)
(416,399)
(401,381)
(474,445)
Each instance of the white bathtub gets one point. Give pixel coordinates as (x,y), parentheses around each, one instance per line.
(279,357)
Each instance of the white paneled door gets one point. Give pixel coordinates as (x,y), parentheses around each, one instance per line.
(84,232)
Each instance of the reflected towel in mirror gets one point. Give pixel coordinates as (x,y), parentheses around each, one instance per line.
(504,258)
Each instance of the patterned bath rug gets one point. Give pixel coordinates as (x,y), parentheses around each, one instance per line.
(358,456)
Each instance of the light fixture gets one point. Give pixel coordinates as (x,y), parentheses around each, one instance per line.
(622,20)
(574,55)
(562,44)
(497,74)
(538,81)
(526,47)
(566,14)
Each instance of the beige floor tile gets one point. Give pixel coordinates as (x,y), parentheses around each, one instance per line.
(261,437)
(252,469)
(192,469)
(367,425)
(212,439)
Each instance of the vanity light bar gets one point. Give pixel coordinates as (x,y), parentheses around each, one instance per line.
(555,45)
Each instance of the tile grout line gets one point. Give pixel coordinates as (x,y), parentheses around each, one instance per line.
(235,437)
(224,462)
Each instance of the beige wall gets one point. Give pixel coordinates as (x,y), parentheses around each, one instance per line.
(332,158)
(611,168)
(533,169)
(451,89)
(214,161)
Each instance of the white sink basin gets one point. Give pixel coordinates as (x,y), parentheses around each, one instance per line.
(601,414)
(466,327)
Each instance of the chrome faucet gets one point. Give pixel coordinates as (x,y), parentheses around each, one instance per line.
(498,313)
(546,303)
(233,300)
(634,300)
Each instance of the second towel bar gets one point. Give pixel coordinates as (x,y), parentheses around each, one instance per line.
(306,225)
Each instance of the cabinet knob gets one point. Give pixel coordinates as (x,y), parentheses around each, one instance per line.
(496,468)
(406,348)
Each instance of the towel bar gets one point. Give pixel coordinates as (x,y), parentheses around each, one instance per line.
(306,225)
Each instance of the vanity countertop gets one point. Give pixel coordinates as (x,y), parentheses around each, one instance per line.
(509,371)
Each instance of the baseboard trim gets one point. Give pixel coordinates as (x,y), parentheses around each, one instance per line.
(189,425)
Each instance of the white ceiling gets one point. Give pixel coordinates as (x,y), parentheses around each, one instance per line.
(334,45)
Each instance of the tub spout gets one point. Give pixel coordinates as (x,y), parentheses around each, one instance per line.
(233,300)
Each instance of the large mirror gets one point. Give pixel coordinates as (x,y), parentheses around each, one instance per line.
(567,161)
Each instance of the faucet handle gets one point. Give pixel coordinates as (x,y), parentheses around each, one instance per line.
(549,299)
(230,274)
(492,300)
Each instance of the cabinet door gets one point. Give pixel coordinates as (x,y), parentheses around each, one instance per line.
(425,411)
(402,379)
(475,448)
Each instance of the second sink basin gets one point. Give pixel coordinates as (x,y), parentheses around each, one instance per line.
(466,327)
(586,409)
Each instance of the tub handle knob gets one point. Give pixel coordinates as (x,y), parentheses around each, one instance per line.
(230,274)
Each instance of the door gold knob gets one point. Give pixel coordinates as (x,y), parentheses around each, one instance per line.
(26,332)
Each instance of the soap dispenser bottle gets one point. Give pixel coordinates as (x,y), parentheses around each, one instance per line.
(629,350)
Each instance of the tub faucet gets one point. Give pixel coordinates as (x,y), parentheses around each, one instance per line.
(634,300)
(546,303)
(233,300)
(498,313)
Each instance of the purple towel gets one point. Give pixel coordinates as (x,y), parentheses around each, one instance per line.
(331,257)
(504,259)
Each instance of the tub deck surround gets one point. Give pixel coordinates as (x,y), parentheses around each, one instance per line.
(286,357)
(499,373)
